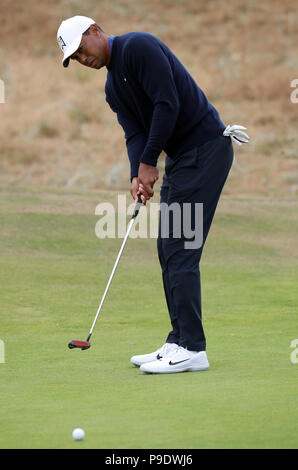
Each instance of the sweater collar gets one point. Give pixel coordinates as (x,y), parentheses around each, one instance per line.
(112,49)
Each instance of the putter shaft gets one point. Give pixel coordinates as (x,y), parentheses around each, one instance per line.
(136,211)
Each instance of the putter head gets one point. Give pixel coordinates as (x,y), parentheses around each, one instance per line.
(79,344)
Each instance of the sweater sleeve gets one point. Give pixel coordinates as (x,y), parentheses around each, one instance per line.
(134,136)
(153,71)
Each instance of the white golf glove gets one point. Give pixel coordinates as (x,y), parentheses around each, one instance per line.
(236,134)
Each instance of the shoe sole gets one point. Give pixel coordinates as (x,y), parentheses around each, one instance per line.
(170,371)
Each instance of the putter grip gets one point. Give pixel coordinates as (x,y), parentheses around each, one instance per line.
(137,207)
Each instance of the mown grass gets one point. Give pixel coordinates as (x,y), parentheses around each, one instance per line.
(53,273)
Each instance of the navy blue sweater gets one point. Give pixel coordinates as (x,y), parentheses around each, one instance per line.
(158,103)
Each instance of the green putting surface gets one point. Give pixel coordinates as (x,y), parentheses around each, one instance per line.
(53,273)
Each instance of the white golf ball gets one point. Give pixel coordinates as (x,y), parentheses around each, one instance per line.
(78,434)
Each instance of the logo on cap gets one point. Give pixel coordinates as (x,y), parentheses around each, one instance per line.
(61,43)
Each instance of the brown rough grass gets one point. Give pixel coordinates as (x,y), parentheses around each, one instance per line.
(57,130)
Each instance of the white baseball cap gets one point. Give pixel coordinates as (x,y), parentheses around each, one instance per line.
(70,33)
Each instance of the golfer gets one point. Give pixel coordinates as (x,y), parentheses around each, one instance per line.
(161,108)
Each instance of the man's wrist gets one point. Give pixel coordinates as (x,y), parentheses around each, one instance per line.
(149,162)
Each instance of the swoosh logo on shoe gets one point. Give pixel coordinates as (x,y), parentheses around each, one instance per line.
(159,357)
(178,362)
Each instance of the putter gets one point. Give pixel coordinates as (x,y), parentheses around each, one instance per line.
(86,344)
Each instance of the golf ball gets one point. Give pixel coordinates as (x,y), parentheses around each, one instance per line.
(78,434)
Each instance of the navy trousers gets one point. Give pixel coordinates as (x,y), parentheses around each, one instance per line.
(197,176)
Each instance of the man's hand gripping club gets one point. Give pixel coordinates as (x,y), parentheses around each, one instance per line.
(144,182)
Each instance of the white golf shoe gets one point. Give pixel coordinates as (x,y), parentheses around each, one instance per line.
(154,356)
(179,360)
